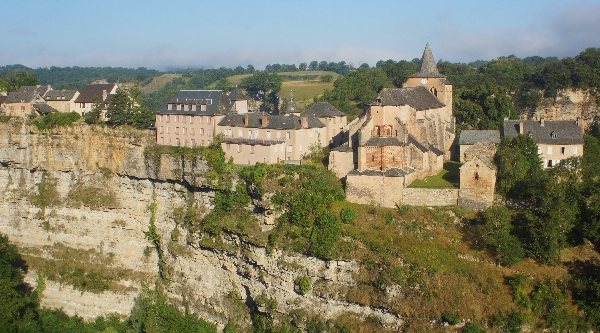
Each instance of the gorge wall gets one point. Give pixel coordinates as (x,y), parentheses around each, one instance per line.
(570,104)
(79,203)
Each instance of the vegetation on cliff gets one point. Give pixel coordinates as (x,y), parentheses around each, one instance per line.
(20,310)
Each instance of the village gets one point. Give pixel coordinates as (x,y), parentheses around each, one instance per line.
(406,134)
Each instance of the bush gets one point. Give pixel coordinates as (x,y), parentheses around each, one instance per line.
(511,322)
(473,328)
(302,285)
(450,318)
(496,234)
(55,119)
(347,215)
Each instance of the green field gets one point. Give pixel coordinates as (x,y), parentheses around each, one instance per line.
(158,82)
(304,91)
(447,178)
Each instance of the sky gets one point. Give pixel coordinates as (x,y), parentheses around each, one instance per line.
(165,34)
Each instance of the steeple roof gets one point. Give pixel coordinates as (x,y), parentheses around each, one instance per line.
(428,65)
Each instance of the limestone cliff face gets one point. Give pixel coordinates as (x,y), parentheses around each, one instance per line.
(81,195)
(570,104)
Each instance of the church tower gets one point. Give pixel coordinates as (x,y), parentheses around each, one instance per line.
(430,77)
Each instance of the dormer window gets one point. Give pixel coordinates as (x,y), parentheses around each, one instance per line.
(553,135)
(203,107)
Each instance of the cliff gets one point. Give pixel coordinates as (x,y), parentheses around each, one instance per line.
(92,210)
(570,104)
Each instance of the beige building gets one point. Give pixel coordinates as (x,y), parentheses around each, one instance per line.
(470,137)
(478,175)
(20,103)
(62,100)
(556,139)
(95,95)
(259,137)
(334,120)
(190,118)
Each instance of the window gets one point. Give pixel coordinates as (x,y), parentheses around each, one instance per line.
(239,148)
(177,131)
(562,150)
(287,134)
(185,130)
(178,142)
(252,149)
(167,129)
(249,134)
(190,119)
(476,176)
(202,131)
(22,107)
(192,131)
(549,150)
(575,150)
(160,130)
(203,107)
(553,135)
(193,142)
(549,164)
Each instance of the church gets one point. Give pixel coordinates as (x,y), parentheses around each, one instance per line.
(406,134)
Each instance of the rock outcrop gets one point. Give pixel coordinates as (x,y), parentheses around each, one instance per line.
(80,196)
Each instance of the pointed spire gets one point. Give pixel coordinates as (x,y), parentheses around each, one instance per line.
(291,106)
(428,65)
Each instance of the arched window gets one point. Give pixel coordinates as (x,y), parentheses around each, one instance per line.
(433,91)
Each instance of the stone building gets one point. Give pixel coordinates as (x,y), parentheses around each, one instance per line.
(62,100)
(478,175)
(21,103)
(190,118)
(470,137)
(95,96)
(260,137)
(556,139)
(405,134)
(334,120)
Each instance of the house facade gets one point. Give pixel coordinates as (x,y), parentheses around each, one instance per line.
(190,118)
(62,100)
(20,103)
(334,120)
(556,139)
(259,137)
(95,95)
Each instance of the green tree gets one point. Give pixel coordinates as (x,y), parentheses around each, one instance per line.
(18,308)
(120,108)
(497,234)
(18,78)
(518,166)
(325,234)
(264,86)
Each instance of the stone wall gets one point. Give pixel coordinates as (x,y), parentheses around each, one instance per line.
(374,189)
(570,104)
(430,197)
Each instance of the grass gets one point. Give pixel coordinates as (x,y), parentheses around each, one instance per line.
(304,91)
(449,177)
(158,82)
(288,76)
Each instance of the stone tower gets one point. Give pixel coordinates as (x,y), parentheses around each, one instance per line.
(430,77)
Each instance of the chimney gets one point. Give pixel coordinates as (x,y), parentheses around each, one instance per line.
(246,119)
(104,95)
(264,120)
(304,121)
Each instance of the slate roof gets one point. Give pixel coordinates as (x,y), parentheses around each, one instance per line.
(393,172)
(384,141)
(43,108)
(323,109)
(92,93)
(428,65)
(274,121)
(237,95)
(412,140)
(418,98)
(60,95)
(215,100)
(26,94)
(470,137)
(554,132)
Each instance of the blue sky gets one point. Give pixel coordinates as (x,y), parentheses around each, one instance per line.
(186,33)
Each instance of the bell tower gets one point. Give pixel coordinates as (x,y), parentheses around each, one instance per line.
(430,78)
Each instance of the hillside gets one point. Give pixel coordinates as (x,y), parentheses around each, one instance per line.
(101,211)
(158,82)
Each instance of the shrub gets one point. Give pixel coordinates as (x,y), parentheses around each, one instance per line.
(347,215)
(473,328)
(496,233)
(450,318)
(55,119)
(302,285)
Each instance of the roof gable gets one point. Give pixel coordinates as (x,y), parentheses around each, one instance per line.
(92,93)
(323,109)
